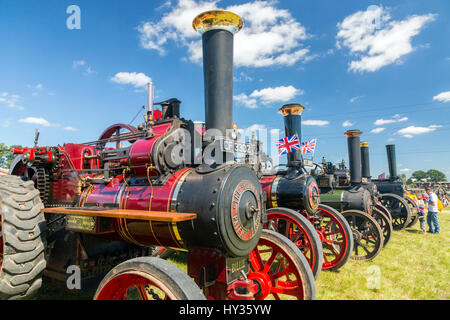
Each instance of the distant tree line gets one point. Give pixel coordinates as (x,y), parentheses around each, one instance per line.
(6,157)
(431,175)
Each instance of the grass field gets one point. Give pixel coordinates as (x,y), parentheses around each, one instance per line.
(412,266)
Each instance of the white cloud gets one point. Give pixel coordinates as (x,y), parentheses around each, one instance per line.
(70,128)
(11,100)
(405,170)
(267,96)
(347,123)
(278,94)
(320,123)
(375,40)
(243,77)
(78,63)
(354,99)
(395,118)
(442,97)
(6,123)
(38,121)
(136,79)
(377,130)
(411,131)
(271,36)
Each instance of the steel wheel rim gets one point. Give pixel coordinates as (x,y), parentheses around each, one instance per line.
(383,222)
(275,275)
(329,240)
(145,286)
(397,209)
(299,237)
(366,237)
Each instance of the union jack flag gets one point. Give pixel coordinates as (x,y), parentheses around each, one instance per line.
(309,146)
(288,144)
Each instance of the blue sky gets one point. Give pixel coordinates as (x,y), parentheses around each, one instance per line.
(380,66)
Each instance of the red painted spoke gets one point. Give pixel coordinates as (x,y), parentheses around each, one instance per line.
(142,292)
(326,226)
(269,262)
(331,248)
(257,262)
(296,292)
(276,296)
(282,273)
(332,233)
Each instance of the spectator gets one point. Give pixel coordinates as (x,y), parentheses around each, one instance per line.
(421,215)
(432,217)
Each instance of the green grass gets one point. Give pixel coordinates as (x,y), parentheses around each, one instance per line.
(412,266)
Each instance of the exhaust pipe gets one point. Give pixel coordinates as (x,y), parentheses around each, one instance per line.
(292,114)
(354,155)
(392,161)
(217,28)
(365,162)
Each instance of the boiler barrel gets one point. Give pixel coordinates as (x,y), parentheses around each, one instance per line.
(228,202)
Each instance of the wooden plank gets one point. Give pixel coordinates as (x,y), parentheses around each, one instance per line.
(126,214)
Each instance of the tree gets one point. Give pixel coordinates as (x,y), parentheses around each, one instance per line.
(419,175)
(436,175)
(403,177)
(6,157)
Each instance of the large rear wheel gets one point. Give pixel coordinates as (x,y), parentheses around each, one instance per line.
(280,269)
(300,231)
(22,239)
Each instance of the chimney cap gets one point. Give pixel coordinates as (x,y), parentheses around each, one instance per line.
(292,109)
(353,133)
(364,144)
(217,20)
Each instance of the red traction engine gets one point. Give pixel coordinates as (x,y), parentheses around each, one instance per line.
(320,231)
(103,208)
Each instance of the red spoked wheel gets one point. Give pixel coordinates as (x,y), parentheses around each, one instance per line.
(336,236)
(147,278)
(280,270)
(300,231)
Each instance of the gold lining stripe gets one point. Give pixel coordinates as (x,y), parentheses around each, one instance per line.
(176,233)
(273,192)
(154,235)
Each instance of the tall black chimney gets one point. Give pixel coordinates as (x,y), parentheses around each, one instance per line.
(365,162)
(292,114)
(218,28)
(392,161)
(354,155)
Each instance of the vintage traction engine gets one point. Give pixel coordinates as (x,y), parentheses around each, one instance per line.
(393,195)
(319,230)
(357,201)
(104,208)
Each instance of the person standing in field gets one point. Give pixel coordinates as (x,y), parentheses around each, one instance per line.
(421,215)
(432,217)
